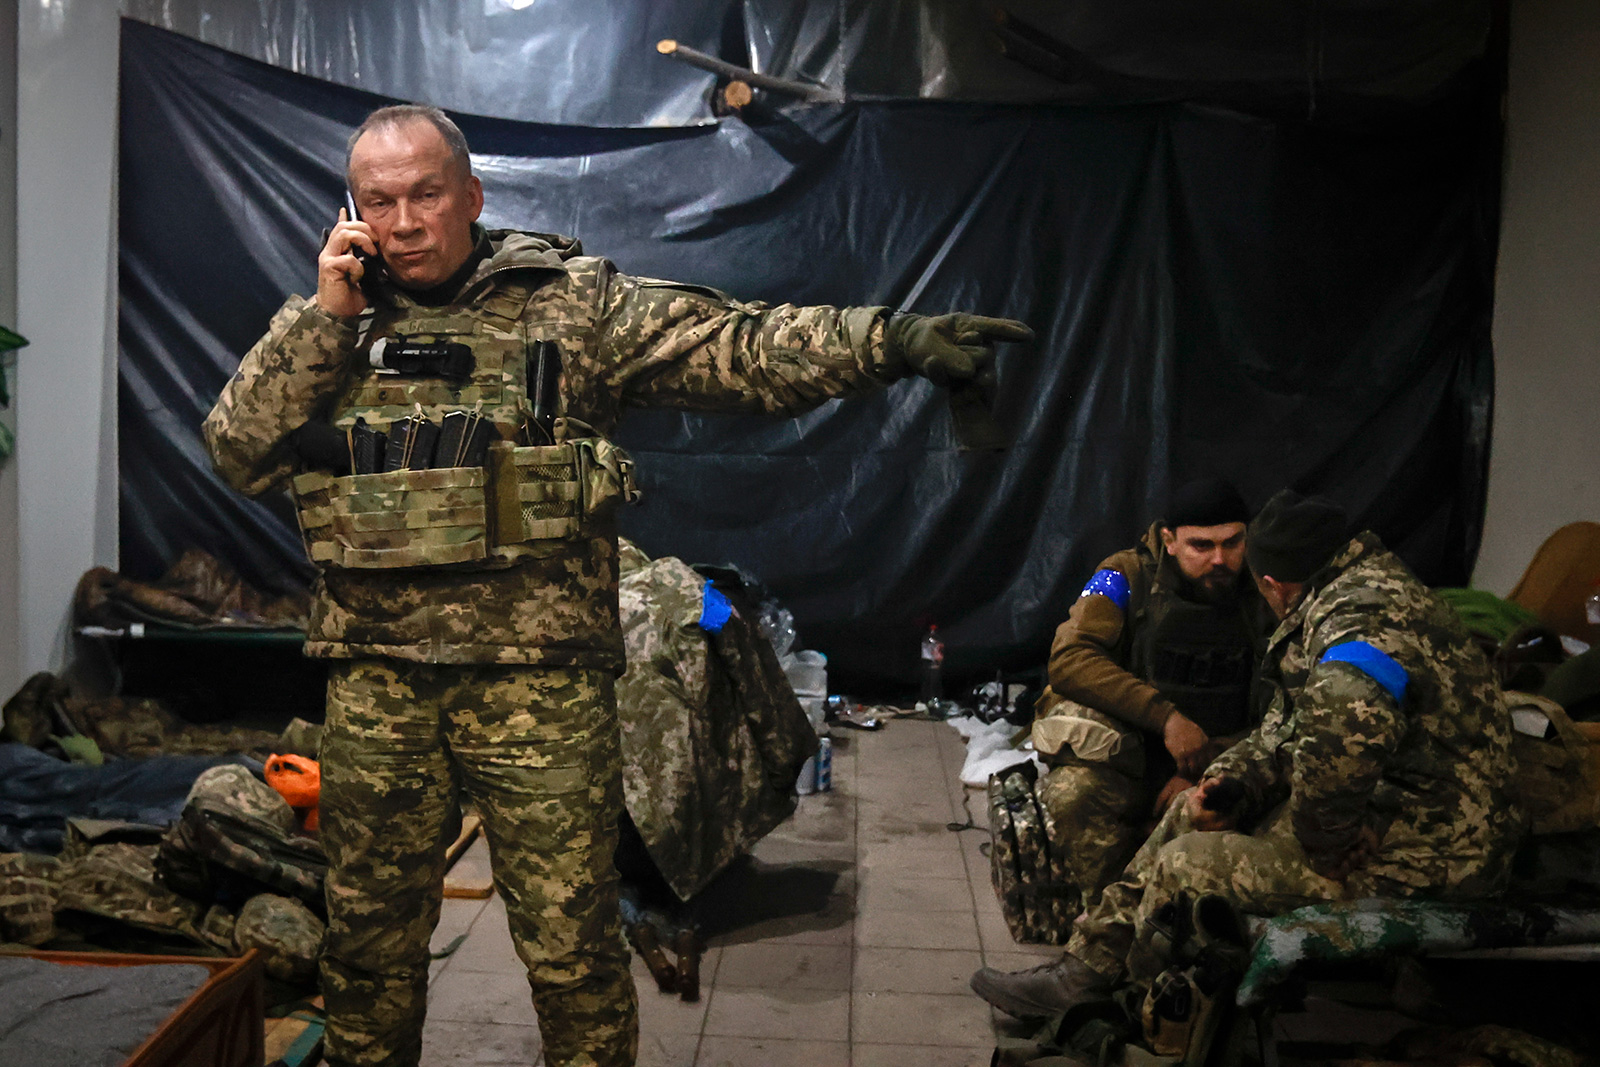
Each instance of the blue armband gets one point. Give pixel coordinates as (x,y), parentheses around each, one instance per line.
(1375,664)
(715,610)
(1111,585)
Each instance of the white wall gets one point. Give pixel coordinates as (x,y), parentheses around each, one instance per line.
(65,464)
(10,638)
(1544,468)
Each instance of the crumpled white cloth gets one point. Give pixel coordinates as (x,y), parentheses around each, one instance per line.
(989,749)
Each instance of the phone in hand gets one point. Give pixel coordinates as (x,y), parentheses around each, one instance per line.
(372,269)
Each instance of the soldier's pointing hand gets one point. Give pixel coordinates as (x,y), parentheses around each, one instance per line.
(339,271)
(949,349)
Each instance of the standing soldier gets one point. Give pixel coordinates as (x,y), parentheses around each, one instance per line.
(470,609)
(1380,768)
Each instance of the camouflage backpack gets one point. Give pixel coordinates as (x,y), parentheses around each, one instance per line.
(237,837)
(1037,898)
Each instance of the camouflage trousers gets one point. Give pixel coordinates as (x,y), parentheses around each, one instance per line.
(1099,815)
(537,752)
(1264,873)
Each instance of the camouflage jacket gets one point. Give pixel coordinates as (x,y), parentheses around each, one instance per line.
(1384,715)
(623,341)
(1092,656)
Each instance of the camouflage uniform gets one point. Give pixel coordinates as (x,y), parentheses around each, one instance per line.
(1384,718)
(1101,719)
(498,681)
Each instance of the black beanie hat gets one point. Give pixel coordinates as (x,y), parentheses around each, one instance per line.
(1294,536)
(1205,502)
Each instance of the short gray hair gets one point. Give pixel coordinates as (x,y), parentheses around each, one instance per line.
(387,118)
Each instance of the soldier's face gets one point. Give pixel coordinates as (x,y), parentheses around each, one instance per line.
(1281,597)
(1209,556)
(419,202)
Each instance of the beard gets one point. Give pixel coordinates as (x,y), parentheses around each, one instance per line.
(1216,585)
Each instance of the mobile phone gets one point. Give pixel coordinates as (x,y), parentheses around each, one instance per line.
(372,270)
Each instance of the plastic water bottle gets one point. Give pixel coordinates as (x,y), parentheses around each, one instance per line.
(932,666)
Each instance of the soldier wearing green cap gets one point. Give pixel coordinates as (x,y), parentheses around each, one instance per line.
(1380,768)
(470,609)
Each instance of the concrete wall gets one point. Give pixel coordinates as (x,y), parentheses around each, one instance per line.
(1544,467)
(10,635)
(65,464)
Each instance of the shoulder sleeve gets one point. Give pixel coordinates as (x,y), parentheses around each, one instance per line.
(687,347)
(301,363)
(1089,656)
(1111,584)
(1374,663)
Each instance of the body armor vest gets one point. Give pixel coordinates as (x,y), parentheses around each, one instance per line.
(1199,656)
(473,517)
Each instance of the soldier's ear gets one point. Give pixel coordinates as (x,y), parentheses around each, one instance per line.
(1169,539)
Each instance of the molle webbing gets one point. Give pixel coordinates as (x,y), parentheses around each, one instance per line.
(396,519)
(538,494)
(488,516)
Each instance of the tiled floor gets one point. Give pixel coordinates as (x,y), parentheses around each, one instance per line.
(848,940)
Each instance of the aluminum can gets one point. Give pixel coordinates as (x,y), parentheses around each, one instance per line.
(825,765)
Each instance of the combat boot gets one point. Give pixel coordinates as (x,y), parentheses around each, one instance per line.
(1042,991)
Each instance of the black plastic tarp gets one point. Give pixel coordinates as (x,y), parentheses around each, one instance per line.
(1214,292)
(575,61)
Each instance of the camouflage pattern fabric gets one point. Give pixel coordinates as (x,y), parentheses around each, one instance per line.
(287,933)
(536,751)
(712,734)
(1101,815)
(1366,929)
(1336,754)
(1033,879)
(27,897)
(118,882)
(237,834)
(624,342)
(1099,722)
(1429,775)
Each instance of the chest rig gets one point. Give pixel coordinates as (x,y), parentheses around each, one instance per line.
(1199,656)
(541,485)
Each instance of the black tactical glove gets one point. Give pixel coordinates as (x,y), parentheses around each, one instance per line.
(951,349)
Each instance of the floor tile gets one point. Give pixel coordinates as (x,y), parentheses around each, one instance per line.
(462,1044)
(772,1052)
(920,1019)
(891,890)
(794,1013)
(786,966)
(667,1050)
(461,996)
(864,1054)
(663,1013)
(914,970)
(913,929)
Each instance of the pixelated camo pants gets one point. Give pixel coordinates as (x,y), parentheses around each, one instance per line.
(536,750)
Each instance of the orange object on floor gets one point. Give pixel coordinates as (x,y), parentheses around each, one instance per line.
(299,781)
